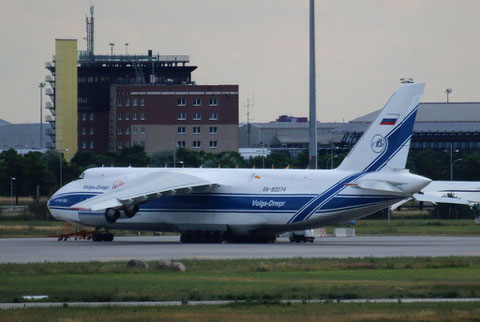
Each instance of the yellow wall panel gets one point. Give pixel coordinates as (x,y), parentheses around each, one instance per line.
(66,97)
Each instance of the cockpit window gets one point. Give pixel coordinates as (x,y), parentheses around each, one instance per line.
(82,175)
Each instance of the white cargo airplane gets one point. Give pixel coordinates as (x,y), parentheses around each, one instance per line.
(212,205)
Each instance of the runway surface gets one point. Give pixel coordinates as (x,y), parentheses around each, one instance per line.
(25,250)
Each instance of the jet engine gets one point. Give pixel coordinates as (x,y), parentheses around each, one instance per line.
(111,215)
(130,211)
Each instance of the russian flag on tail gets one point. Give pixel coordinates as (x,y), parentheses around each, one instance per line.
(388,121)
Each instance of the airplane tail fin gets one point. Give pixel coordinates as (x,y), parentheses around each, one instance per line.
(386,142)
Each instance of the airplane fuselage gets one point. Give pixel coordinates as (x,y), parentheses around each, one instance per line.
(242,201)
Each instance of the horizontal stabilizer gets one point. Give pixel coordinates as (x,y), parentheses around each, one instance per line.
(143,189)
(377,185)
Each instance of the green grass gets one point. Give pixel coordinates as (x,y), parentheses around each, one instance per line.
(257,312)
(255,280)
(413,227)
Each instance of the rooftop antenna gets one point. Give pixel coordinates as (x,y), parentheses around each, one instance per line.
(312,145)
(90,31)
(448,91)
(126,48)
(248,106)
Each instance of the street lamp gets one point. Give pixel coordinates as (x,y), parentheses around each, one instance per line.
(330,160)
(11,188)
(61,159)
(448,91)
(451,168)
(111,48)
(41,86)
(126,48)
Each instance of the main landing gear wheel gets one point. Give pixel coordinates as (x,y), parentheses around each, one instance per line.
(206,237)
(102,236)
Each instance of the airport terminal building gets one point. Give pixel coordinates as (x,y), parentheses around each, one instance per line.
(437,126)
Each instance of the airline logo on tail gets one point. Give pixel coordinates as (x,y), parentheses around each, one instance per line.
(378,143)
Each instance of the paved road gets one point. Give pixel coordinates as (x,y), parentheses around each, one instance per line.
(24,250)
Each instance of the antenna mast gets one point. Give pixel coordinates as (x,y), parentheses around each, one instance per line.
(312,145)
(249,104)
(90,30)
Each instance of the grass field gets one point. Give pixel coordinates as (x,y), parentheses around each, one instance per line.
(254,280)
(258,312)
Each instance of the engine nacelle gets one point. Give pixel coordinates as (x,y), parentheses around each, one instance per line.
(111,215)
(131,211)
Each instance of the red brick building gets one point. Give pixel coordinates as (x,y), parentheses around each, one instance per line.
(162,117)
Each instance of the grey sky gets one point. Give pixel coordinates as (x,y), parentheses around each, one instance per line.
(363,48)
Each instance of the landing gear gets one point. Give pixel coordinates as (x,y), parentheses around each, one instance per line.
(207,237)
(98,236)
(301,238)
(217,237)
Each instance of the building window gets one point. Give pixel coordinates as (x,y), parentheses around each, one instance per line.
(196,130)
(91,131)
(213,116)
(142,102)
(119,116)
(181,130)
(134,130)
(119,144)
(182,116)
(142,130)
(197,116)
(127,144)
(91,116)
(82,100)
(119,102)
(196,144)
(127,130)
(119,130)
(212,130)
(91,144)
(213,144)
(127,116)
(181,144)
(135,115)
(142,116)
(84,145)
(84,130)
(197,102)
(127,102)
(142,144)
(213,102)
(181,102)
(135,142)
(134,102)
(84,116)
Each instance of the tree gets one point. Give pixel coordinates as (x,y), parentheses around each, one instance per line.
(134,156)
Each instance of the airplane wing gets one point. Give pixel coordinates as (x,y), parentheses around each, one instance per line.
(143,189)
(440,199)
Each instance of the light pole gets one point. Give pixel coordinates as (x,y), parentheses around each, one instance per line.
(330,160)
(41,86)
(448,91)
(111,48)
(126,48)
(11,188)
(61,159)
(451,168)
